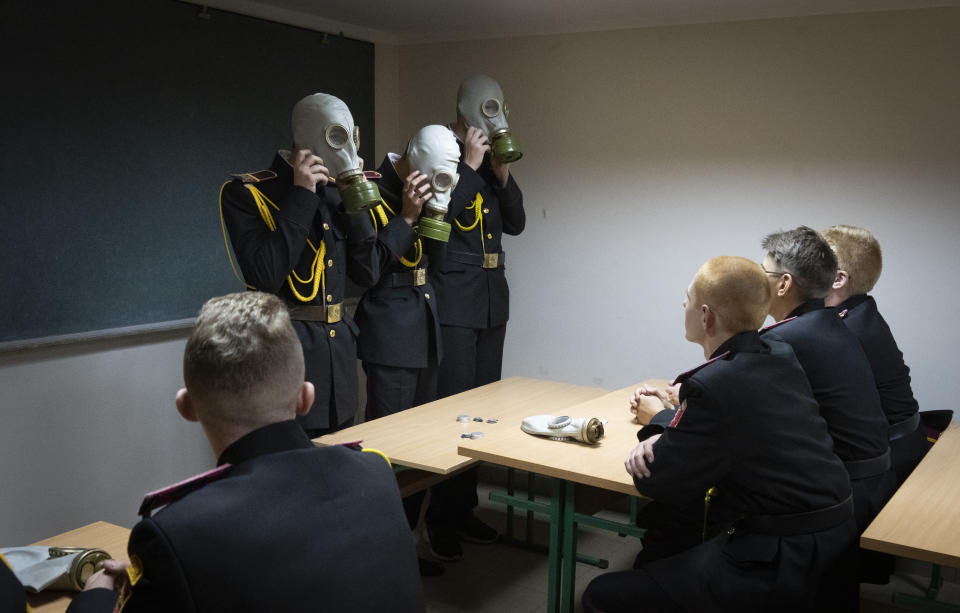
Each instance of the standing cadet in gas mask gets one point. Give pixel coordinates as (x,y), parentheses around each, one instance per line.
(399,325)
(472,287)
(292,237)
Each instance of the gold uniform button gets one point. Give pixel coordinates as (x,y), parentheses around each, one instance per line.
(489,235)
(329,263)
(326,226)
(427,296)
(329,297)
(333,333)
(486,210)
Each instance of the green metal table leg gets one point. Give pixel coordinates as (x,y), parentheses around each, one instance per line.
(927,602)
(509,531)
(531,496)
(568,578)
(556,535)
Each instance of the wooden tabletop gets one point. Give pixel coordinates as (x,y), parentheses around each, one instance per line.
(921,519)
(599,465)
(427,436)
(109,537)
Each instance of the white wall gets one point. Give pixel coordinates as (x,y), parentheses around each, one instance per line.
(649,151)
(87,430)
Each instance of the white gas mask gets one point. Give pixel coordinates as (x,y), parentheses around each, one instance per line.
(480,102)
(563,428)
(434,152)
(323,124)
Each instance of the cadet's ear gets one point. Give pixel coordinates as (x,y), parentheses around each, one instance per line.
(841,280)
(708,317)
(185,405)
(784,284)
(305,398)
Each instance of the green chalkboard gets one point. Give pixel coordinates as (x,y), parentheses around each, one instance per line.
(120,122)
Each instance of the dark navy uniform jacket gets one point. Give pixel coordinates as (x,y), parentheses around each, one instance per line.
(12,597)
(843,385)
(480,213)
(892,377)
(289,527)
(267,258)
(398,320)
(750,426)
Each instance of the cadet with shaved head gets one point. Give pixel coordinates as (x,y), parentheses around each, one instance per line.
(749,429)
(859,262)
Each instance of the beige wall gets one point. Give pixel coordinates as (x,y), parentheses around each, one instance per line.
(649,151)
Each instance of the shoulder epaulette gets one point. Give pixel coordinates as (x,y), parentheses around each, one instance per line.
(175,492)
(372,174)
(779,323)
(686,375)
(255,177)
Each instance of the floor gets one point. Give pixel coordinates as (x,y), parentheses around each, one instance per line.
(506,579)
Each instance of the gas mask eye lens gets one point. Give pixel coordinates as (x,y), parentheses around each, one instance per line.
(442,181)
(337,136)
(491,107)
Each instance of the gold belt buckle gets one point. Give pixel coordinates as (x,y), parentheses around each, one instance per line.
(491,260)
(333,313)
(419,276)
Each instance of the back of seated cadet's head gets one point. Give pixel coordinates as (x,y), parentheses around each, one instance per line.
(735,289)
(859,259)
(805,258)
(243,363)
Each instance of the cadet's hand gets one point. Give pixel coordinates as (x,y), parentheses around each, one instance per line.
(415,192)
(108,577)
(639,461)
(474,146)
(645,406)
(673,394)
(308,170)
(501,170)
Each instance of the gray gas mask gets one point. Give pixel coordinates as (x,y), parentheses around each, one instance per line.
(481,104)
(323,124)
(434,152)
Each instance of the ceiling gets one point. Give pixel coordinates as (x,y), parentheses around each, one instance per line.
(421,21)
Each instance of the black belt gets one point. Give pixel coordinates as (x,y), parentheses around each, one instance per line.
(330,313)
(871,467)
(799,523)
(905,427)
(415,278)
(484,260)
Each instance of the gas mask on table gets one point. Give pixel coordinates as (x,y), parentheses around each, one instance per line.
(39,567)
(563,428)
(323,124)
(481,104)
(434,152)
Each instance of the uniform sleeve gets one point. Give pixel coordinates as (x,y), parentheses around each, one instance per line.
(266,257)
(690,457)
(469,185)
(100,600)
(162,586)
(396,238)
(511,206)
(363,257)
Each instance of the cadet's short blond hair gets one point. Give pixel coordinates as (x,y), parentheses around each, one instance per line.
(736,289)
(244,351)
(858,253)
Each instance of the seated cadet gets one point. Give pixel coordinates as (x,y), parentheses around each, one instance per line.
(749,427)
(281,525)
(859,262)
(12,597)
(801,267)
